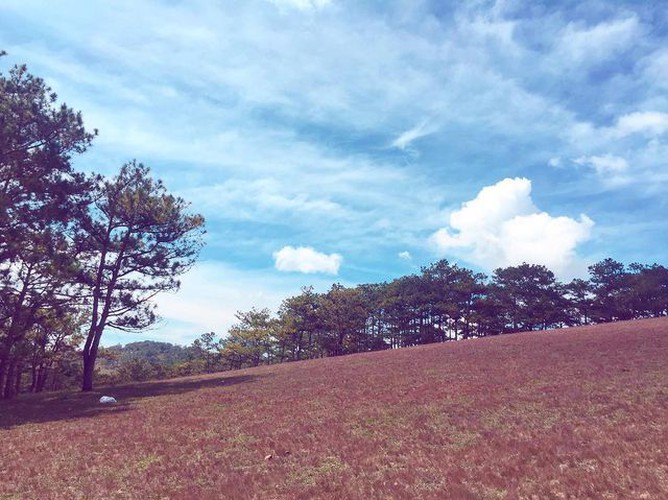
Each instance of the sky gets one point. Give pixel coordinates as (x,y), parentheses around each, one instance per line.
(352,141)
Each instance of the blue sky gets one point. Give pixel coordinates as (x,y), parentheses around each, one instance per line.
(354,141)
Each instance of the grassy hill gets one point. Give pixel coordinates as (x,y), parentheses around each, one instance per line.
(581,412)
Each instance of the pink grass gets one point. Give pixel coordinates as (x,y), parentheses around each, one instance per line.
(580,413)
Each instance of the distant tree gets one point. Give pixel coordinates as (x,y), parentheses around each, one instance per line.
(144,360)
(470,290)
(490,316)
(135,370)
(647,290)
(299,325)
(154,352)
(343,318)
(207,349)
(529,296)
(374,337)
(453,293)
(139,240)
(610,285)
(250,342)
(406,311)
(580,300)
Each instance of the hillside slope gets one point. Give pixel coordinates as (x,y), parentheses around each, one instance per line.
(579,412)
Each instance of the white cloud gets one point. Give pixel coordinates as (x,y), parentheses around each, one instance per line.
(501,227)
(554,162)
(405,255)
(302,4)
(631,151)
(543,239)
(265,199)
(595,44)
(612,169)
(306,260)
(407,137)
(648,122)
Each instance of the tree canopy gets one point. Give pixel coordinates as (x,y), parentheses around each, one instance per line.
(137,240)
(75,246)
(40,195)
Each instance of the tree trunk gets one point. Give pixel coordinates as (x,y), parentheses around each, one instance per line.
(37,375)
(19,376)
(7,363)
(8,391)
(88,369)
(299,345)
(33,377)
(4,361)
(90,355)
(41,378)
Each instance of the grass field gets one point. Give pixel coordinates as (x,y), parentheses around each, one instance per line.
(576,413)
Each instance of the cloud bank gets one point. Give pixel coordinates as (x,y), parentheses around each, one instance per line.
(306,260)
(503,227)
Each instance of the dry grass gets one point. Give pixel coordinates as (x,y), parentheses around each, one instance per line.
(575,413)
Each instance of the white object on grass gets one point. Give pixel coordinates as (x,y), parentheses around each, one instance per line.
(107,399)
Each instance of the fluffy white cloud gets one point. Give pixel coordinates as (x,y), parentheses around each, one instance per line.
(501,227)
(647,122)
(306,260)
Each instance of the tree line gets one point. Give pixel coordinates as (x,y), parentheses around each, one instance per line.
(79,252)
(441,303)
